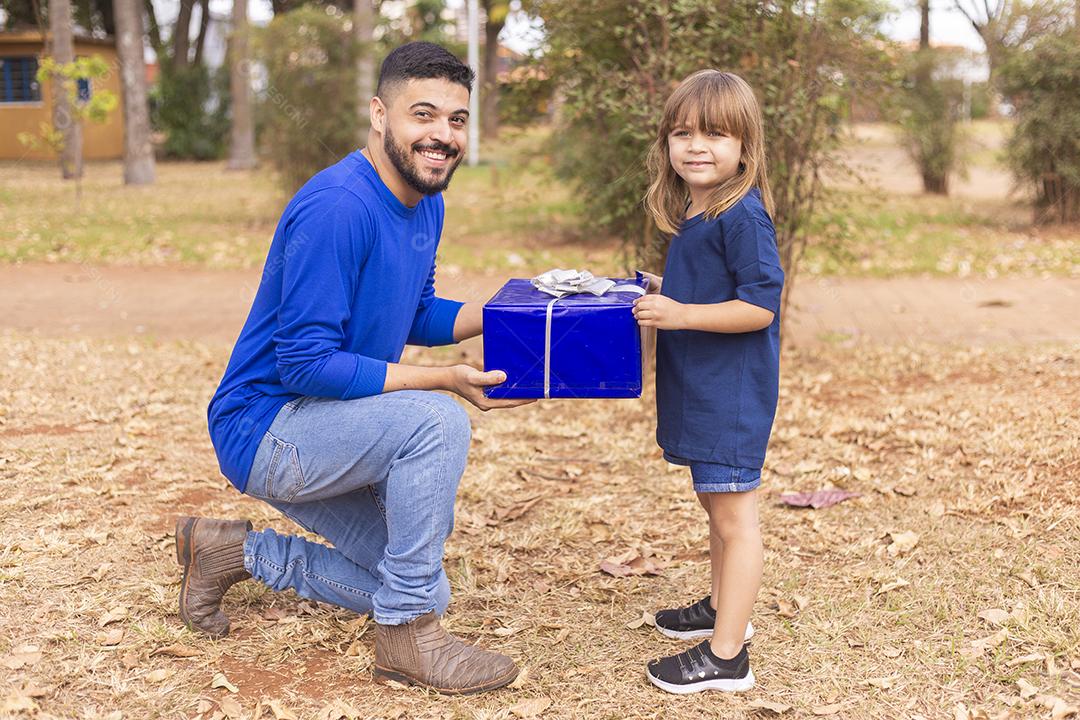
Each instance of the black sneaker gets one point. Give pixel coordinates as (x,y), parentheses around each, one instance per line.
(695,621)
(700,669)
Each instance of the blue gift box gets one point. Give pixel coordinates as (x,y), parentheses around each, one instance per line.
(576,346)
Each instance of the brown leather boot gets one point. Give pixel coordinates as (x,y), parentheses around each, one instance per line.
(422,653)
(212,555)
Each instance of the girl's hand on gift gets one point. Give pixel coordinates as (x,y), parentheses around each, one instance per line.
(469,383)
(659,311)
(655,281)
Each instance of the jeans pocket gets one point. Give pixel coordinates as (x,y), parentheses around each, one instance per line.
(284,477)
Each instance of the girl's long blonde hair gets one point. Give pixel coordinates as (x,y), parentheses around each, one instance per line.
(708,100)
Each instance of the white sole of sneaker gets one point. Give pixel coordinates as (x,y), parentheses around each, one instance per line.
(730,685)
(695,634)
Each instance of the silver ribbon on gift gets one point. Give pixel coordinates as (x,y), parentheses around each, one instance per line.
(560,283)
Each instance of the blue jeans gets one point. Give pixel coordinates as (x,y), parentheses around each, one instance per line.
(712,477)
(378,478)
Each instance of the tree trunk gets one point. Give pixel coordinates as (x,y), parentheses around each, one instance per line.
(204,24)
(364,29)
(242,147)
(924,24)
(181,34)
(63,116)
(154,31)
(138,150)
(489,85)
(108,17)
(933,182)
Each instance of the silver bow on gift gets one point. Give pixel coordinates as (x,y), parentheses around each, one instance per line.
(559,283)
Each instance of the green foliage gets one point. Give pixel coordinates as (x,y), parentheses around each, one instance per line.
(307,114)
(96,109)
(191,106)
(525,98)
(1044,150)
(618,62)
(927,109)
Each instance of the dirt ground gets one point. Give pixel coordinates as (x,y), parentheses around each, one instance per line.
(948,589)
(73,300)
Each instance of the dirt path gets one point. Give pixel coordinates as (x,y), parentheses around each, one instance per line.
(210,306)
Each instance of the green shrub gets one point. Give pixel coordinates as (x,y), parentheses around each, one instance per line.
(191,106)
(928,108)
(616,63)
(1044,151)
(307,114)
(526,97)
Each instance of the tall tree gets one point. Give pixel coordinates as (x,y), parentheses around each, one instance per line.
(242,147)
(1005,25)
(496,12)
(62,51)
(138,150)
(364,31)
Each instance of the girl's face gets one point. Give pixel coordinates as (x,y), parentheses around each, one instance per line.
(703,158)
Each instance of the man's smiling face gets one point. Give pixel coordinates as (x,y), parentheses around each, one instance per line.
(425,135)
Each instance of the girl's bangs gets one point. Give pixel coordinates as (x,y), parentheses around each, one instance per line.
(706,105)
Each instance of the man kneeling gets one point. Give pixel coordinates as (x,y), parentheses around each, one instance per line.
(316,416)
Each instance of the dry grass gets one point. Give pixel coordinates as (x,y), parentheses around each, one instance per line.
(978,453)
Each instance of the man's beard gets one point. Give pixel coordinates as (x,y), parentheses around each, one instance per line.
(406,164)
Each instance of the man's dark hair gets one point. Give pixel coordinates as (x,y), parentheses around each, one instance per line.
(421,60)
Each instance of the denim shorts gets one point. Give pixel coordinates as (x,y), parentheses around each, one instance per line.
(717,478)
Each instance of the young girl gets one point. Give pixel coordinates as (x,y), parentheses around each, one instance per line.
(717,355)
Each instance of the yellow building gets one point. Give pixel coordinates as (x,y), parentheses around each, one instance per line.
(24,105)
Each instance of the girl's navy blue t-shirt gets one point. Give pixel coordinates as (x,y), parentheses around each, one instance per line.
(716,393)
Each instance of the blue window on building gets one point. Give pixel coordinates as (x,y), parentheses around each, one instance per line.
(18,81)
(84,89)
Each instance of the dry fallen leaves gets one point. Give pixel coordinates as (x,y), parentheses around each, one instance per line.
(22,656)
(818,498)
(977,647)
(1027,690)
(338,710)
(111,637)
(1059,709)
(176,650)
(160,674)
(994,616)
(521,679)
(774,707)
(647,618)
(786,608)
(514,511)
(220,681)
(892,585)
(631,563)
(231,707)
(530,708)
(830,709)
(882,683)
(902,542)
(1024,659)
(116,614)
(280,711)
